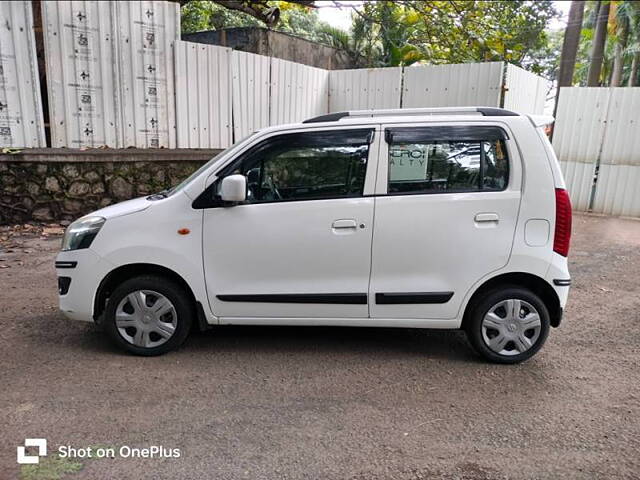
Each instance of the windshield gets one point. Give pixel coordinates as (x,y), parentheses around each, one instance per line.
(204,167)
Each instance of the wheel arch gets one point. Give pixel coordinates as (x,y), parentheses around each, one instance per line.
(520,279)
(124,272)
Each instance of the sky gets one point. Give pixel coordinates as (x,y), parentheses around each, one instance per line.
(341,17)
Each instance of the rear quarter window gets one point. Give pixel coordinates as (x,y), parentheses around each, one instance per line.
(447,160)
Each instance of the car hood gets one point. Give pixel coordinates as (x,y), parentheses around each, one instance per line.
(123,208)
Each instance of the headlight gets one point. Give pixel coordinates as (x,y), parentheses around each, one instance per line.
(81,233)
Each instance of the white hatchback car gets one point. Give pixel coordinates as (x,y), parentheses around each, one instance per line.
(416,218)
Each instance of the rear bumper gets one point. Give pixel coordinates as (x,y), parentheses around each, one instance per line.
(559,278)
(79,274)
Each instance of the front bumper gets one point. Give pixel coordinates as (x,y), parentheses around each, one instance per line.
(79,275)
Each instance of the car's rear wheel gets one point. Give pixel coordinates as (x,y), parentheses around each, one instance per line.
(148,315)
(508,325)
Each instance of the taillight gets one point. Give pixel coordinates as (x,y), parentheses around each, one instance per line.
(562,235)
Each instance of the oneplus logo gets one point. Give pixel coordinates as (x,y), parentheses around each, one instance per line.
(41,443)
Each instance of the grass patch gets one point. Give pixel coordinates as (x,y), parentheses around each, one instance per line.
(51,467)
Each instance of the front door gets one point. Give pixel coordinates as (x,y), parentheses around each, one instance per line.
(301,244)
(446,210)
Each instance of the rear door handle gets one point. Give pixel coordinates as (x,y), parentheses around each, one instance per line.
(487,217)
(344,223)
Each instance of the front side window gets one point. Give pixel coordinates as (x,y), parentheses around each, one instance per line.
(441,160)
(306,166)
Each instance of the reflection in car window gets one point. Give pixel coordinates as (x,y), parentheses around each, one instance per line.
(447,166)
(306,166)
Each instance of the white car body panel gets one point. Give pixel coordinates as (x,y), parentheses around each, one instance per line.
(123,208)
(288,248)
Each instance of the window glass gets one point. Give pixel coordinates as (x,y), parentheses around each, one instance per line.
(496,171)
(206,166)
(307,166)
(447,166)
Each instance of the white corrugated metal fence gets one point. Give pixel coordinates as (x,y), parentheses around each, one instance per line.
(145,34)
(203,95)
(110,72)
(597,140)
(222,93)
(81,74)
(457,85)
(364,89)
(250,89)
(21,119)
(297,92)
(525,92)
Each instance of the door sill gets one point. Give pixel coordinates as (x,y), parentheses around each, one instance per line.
(344,322)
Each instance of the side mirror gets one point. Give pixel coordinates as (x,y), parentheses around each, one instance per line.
(233,189)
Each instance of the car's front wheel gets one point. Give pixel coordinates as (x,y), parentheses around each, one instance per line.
(508,325)
(148,315)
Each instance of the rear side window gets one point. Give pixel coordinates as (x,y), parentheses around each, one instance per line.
(447,159)
(306,166)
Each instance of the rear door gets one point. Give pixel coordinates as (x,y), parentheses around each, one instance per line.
(447,200)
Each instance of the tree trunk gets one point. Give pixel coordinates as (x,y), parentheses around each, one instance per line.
(569,48)
(633,74)
(570,44)
(599,39)
(618,57)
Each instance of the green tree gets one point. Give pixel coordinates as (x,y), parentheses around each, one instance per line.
(199,15)
(352,44)
(627,17)
(292,17)
(621,49)
(455,31)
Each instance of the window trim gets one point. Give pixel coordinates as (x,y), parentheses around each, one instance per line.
(206,200)
(435,133)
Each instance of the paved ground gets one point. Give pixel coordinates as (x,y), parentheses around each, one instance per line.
(264,403)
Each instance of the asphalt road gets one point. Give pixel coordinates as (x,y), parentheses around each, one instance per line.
(276,402)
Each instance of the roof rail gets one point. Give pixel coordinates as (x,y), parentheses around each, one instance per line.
(485,111)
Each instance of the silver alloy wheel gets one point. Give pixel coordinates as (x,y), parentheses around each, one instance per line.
(511,327)
(146,318)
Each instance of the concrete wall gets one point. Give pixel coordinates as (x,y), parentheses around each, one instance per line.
(62,184)
(275,44)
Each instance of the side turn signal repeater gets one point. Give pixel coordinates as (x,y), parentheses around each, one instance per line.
(184,231)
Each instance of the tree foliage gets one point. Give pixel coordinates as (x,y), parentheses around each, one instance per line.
(623,38)
(294,18)
(455,31)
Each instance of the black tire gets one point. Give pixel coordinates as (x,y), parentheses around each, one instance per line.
(478,310)
(183,305)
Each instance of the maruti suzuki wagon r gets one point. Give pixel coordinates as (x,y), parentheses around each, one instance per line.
(414,218)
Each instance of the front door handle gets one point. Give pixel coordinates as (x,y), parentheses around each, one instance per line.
(487,217)
(344,223)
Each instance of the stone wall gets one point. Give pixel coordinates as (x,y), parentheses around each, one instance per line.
(54,184)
